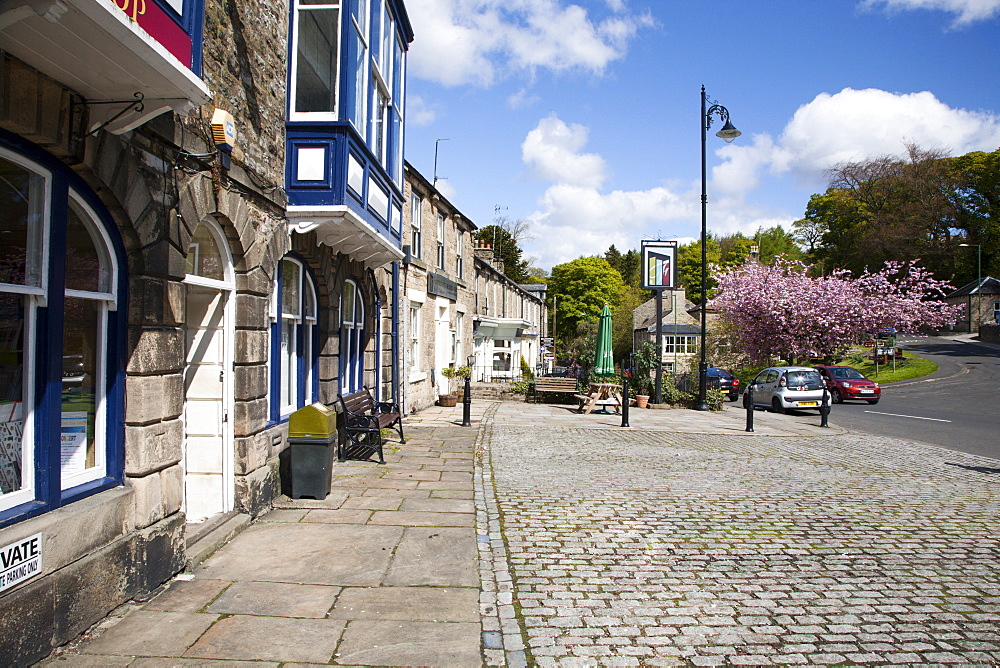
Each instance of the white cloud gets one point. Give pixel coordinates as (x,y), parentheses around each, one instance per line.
(966,11)
(854,125)
(575,217)
(460,42)
(522,99)
(552,149)
(418,112)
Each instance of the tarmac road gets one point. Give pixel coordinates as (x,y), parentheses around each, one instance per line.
(956,407)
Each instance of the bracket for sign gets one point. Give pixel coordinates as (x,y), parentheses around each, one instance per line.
(135,105)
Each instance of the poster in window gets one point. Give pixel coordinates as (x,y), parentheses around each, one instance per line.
(73,441)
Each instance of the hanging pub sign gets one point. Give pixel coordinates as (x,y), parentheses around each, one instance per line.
(659,265)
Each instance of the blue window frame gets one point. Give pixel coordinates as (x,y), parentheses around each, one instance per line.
(62,336)
(352,338)
(294,339)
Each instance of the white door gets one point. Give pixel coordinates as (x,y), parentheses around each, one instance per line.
(442,343)
(208,461)
(208,484)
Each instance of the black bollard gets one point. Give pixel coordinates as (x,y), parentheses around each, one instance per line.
(749,407)
(625,401)
(467,403)
(824,409)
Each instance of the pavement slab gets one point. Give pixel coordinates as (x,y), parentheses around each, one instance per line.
(417,604)
(269,639)
(187,595)
(435,556)
(307,552)
(151,633)
(276,599)
(402,643)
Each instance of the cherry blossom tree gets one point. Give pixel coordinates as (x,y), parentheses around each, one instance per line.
(782,311)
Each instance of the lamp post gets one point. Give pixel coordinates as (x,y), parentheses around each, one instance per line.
(979,288)
(728,133)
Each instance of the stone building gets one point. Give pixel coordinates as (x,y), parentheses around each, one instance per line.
(981,299)
(437,295)
(680,329)
(508,322)
(198,235)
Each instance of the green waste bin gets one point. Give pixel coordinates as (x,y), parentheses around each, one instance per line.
(312,439)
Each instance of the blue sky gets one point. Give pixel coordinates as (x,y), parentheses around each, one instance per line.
(581,117)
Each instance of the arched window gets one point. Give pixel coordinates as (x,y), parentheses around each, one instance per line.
(352,338)
(61,422)
(294,339)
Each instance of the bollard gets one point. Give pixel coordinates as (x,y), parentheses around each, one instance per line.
(749,407)
(824,409)
(467,403)
(625,401)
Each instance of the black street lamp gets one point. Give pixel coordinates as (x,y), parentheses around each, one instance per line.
(728,133)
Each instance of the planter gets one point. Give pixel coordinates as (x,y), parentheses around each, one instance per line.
(448,400)
(641,400)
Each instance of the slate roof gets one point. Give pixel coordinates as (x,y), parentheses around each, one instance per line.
(986,286)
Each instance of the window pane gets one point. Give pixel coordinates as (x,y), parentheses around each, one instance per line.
(79,384)
(359,114)
(204,258)
(289,367)
(290,288)
(21,221)
(316,64)
(347,311)
(11,392)
(309,305)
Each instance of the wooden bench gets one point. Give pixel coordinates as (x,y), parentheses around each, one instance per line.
(554,385)
(364,419)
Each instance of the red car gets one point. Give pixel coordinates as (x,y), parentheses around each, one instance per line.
(845,382)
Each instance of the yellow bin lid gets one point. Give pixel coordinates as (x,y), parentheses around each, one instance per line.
(313,421)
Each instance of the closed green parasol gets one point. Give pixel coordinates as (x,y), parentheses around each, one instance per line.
(604,362)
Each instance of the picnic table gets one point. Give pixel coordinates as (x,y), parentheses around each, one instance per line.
(600,394)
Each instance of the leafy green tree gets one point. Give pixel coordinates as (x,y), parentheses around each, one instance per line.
(689,267)
(506,246)
(582,287)
(622,334)
(977,202)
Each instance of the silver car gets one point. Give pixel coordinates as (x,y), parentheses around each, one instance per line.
(785,387)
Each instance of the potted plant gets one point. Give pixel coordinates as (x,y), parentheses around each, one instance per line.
(452,372)
(642,387)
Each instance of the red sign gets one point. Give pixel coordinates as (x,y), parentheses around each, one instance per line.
(160,27)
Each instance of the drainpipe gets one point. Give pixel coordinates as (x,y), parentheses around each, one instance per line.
(397,356)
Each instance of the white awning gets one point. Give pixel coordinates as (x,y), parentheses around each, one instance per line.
(341,229)
(91,47)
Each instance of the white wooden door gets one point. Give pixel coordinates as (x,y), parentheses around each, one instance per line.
(208,480)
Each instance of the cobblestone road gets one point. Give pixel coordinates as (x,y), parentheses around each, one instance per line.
(655,548)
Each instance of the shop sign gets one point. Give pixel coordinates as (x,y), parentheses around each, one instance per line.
(20,561)
(160,26)
(442,287)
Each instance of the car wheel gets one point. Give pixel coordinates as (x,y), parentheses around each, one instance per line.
(873,401)
(776,406)
(837,399)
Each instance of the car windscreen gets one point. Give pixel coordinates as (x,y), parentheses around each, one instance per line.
(810,380)
(847,373)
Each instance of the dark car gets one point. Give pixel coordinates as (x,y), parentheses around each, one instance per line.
(720,379)
(846,382)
